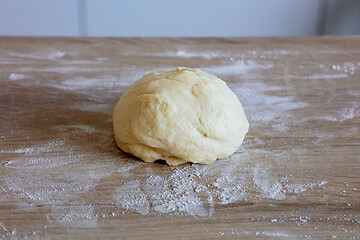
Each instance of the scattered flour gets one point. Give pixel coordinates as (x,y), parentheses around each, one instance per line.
(323,137)
(347,67)
(191,189)
(16,76)
(42,175)
(347,112)
(328,118)
(67,68)
(277,234)
(181,53)
(175,193)
(36,149)
(280,127)
(277,52)
(76,212)
(269,186)
(47,54)
(196,189)
(8,233)
(188,53)
(50,177)
(80,83)
(130,197)
(328,76)
(102,59)
(299,188)
(261,107)
(236,67)
(82,127)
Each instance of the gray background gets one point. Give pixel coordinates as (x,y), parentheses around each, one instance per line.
(179,18)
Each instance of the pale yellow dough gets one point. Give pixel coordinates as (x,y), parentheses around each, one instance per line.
(184,115)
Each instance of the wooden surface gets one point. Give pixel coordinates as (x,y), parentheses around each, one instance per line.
(296,176)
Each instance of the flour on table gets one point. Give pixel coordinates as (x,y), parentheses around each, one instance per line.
(81,127)
(130,197)
(236,67)
(80,83)
(196,189)
(276,52)
(56,184)
(16,76)
(37,148)
(181,53)
(347,67)
(189,53)
(280,127)
(49,54)
(327,76)
(74,212)
(347,112)
(261,107)
(193,190)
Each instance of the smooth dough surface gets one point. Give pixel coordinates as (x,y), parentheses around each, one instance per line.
(184,115)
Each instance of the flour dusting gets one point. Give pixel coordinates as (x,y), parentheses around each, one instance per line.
(236,67)
(265,108)
(41,175)
(347,67)
(130,197)
(75,212)
(180,53)
(63,177)
(193,190)
(49,54)
(345,113)
(349,113)
(328,76)
(16,76)
(196,189)
(280,127)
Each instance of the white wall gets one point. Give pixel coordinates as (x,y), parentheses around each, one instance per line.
(38,17)
(343,17)
(202,18)
(179,18)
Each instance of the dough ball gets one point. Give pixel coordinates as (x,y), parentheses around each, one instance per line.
(184,115)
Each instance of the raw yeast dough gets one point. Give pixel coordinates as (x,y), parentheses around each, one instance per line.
(184,115)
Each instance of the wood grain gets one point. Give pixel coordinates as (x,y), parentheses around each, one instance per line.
(297,172)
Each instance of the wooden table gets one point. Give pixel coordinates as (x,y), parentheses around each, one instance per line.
(296,176)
